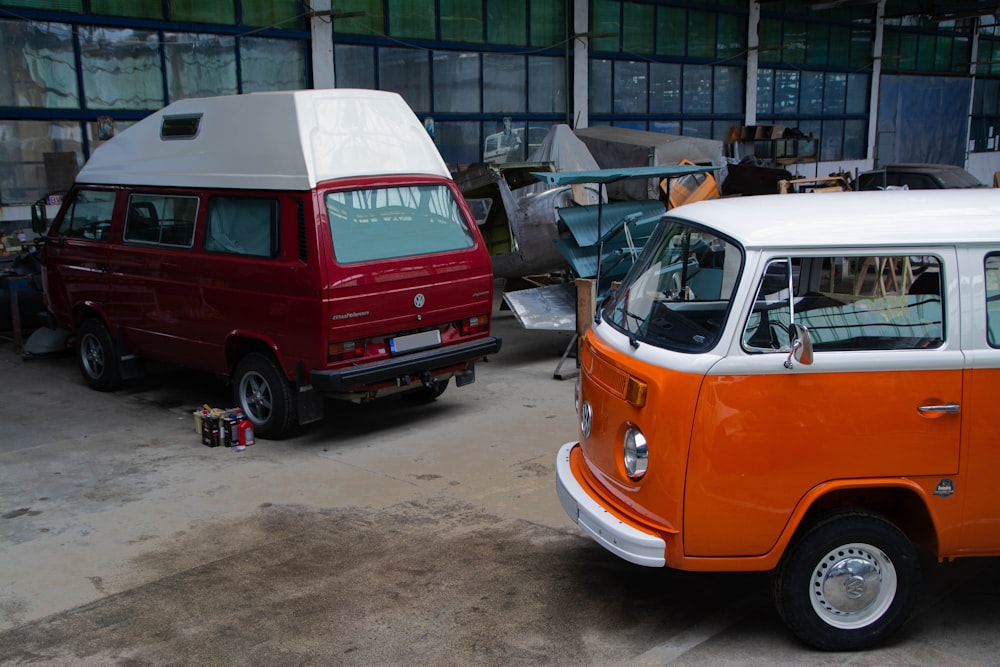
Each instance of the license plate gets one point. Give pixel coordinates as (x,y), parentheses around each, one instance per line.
(417,341)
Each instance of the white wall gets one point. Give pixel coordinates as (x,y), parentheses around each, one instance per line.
(984,165)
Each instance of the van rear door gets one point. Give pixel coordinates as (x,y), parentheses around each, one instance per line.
(410,271)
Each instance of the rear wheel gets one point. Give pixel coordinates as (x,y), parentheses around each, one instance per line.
(848,582)
(98,356)
(265,396)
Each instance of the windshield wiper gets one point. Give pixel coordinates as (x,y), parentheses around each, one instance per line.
(632,340)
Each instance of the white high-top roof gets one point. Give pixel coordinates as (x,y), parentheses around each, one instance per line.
(288,140)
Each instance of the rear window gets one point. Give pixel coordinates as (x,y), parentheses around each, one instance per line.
(383,223)
(957,178)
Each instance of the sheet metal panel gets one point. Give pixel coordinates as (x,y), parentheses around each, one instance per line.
(547,308)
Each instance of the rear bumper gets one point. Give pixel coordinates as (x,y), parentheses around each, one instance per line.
(343,379)
(616,536)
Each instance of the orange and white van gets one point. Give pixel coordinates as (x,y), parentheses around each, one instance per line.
(803,384)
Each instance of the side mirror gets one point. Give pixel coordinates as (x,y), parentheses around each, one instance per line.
(39,218)
(802,349)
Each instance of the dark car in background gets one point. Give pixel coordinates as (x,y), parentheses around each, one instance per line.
(917,177)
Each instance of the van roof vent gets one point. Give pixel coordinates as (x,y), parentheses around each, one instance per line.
(180,127)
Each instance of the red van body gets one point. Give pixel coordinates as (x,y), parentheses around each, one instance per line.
(373,281)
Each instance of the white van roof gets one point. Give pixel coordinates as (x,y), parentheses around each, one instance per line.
(853,219)
(288,140)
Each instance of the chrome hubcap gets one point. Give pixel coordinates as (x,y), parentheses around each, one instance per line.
(852,586)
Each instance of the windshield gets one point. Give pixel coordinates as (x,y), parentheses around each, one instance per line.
(382,223)
(677,295)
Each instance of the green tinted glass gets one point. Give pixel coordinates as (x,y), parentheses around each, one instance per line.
(58,5)
(861,46)
(605,18)
(926,48)
(461,20)
(769,34)
(410,18)
(840,46)
(817,41)
(283,14)
(548,22)
(794,38)
(506,22)
(371,22)
(961,54)
(198,11)
(145,9)
(732,37)
(638,28)
(671,31)
(701,34)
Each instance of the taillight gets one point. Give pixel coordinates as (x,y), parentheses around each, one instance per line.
(346,350)
(471,325)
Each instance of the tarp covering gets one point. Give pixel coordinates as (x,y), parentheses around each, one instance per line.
(909,119)
(566,152)
(615,147)
(563,148)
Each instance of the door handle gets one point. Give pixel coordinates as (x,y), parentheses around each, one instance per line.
(103,268)
(946,407)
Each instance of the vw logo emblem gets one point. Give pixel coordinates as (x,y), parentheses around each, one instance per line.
(418,300)
(586,418)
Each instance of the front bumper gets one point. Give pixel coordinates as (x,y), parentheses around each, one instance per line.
(409,364)
(619,538)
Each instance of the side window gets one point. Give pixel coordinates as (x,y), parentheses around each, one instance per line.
(89,215)
(849,303)
(993,299)
(161,219)
(767,327)
(242,226)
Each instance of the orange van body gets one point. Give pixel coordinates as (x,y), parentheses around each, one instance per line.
(830,386)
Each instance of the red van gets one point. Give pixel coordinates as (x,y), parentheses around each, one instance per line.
(304,244)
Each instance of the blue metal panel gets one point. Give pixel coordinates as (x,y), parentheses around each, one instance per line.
(612,175)
(583,221)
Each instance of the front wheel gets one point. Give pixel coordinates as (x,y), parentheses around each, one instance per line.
(265,396)
(848,582)
(98,356)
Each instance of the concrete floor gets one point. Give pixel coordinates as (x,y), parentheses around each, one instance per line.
(389,534)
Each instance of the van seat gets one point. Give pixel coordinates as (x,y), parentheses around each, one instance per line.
(142,223)
(179,234)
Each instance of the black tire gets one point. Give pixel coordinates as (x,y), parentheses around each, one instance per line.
(848,582)
(427,394)
(265,396)
(98,356)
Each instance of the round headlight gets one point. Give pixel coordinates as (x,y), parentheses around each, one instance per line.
(636,453)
